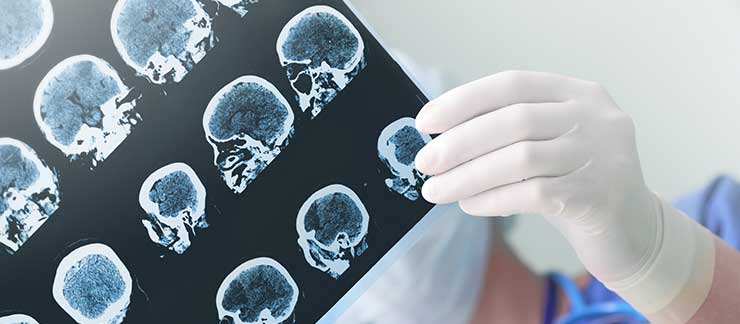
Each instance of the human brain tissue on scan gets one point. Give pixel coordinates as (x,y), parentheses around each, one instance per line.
(18,319)
(29,193)
(83,109)
(260,291)
(25,26)
(322,53)
(398,145)
(162,40)
(332,226)
(248,123)
(174,200)
(241,7)
(93,286)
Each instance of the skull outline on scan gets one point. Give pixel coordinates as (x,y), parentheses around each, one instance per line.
(398,145)
(29,193)
(277,293)
(248,123)
(174,200)
(83,108)
(322,53)
(332,227)
(17,47)
(18,319)
(162,40)
(93,286)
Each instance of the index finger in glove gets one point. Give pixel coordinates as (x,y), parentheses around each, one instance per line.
(491,93)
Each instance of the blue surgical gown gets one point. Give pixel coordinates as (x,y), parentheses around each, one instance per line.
(717,207)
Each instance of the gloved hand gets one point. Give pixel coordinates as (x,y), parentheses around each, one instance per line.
(537,143)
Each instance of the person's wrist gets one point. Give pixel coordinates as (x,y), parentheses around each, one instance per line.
(673,282)
(617,245)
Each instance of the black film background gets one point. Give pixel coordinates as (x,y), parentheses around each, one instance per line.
(102,205)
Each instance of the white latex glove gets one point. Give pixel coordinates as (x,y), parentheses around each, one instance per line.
(537,143)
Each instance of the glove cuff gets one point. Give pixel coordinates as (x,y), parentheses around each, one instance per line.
(675,281)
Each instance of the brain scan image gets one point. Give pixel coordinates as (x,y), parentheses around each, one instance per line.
(25,26)
(398,145)
(322,53)
(248,123)
(241,7)
(29,193)
(93,286)
(260,291)
(83,108)
(162,40)
(174,200)
(18,319)
(332,225)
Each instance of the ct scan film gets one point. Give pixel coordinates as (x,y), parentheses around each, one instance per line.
(198,161)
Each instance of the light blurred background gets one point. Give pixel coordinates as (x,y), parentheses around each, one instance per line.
(673,65)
